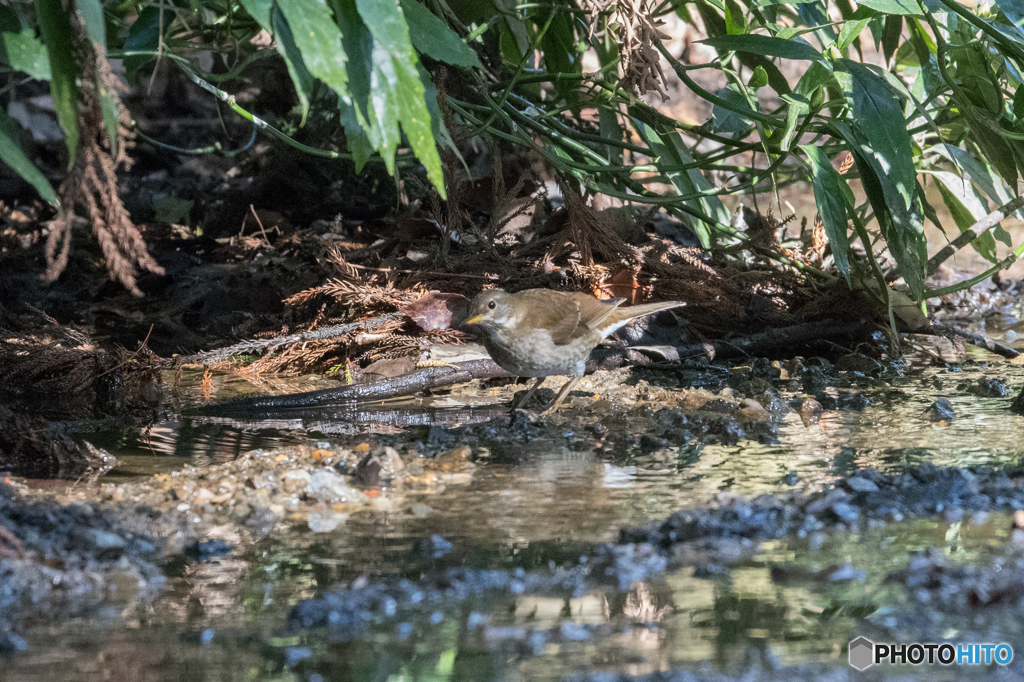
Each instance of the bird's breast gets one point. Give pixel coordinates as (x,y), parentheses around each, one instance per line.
(532,353)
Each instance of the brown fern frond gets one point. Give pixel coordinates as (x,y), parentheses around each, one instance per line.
(91,184)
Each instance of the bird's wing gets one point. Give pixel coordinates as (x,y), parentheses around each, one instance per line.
(595,312)
(556,311)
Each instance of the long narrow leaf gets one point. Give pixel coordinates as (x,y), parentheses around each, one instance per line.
(11,154)
(55,26)
(395,68)
(432,36)
(834,200)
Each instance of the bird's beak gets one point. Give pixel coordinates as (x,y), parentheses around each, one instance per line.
(476,319)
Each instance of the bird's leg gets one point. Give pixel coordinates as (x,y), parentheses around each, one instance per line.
(564,391)
(529,394)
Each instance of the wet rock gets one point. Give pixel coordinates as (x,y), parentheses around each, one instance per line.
(649,444)
(940,410)
(810,411)
(987,388)
(862,364)
(1017,406)
(325,521)
(750,410)
(792,478)
(861,485)
(367,472)
(438,436)
(815,380)
(763,368)
(206,550)
(104,545)
(329,486)
(294,481)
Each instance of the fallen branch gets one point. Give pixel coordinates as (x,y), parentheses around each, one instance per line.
(988,344)
(782,339)
(406,384)
(973,232)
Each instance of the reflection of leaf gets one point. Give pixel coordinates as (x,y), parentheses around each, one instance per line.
(834,198)
(436,310)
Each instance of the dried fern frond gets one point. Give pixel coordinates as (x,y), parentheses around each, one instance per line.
(357,294)
(91,184)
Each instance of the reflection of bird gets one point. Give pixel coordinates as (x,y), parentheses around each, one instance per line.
(541,332)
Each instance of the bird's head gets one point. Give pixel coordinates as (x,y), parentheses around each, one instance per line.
(491,310)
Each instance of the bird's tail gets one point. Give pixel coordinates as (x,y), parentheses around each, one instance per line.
(648,308)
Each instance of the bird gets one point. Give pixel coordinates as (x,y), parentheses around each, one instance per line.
(543,332)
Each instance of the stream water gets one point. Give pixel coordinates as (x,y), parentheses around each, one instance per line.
(535,507)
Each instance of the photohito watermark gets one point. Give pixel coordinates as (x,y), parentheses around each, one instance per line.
(864,653)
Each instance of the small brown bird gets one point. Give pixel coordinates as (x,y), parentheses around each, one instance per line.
(541,332)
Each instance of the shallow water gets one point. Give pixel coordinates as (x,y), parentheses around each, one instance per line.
(536,506)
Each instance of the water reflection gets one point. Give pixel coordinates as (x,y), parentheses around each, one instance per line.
(533,505)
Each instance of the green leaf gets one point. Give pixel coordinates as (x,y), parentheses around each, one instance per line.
(759,78)
(728,120)
(834,200)
(55,26)
(764,45)
(966,209)
(27,53)
(891,36)
(395,74)
(432,37)
(284,41)
(358,45)
(11,154)
(96,29)
(879,116)
(817,75)
(735,18)
(144,36)
(670,146)
(358,143)
(9,21)
(795,109)
(95,25)
(901,226)
(318,39)
(260,11)
(893,6)
(851,29)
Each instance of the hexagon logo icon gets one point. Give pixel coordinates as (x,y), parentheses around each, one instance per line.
(862,653)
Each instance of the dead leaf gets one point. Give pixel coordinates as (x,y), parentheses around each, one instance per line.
(436,310)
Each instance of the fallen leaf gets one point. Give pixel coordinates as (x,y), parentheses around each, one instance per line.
(436,310)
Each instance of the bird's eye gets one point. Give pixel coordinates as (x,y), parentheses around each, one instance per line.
(491,305)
